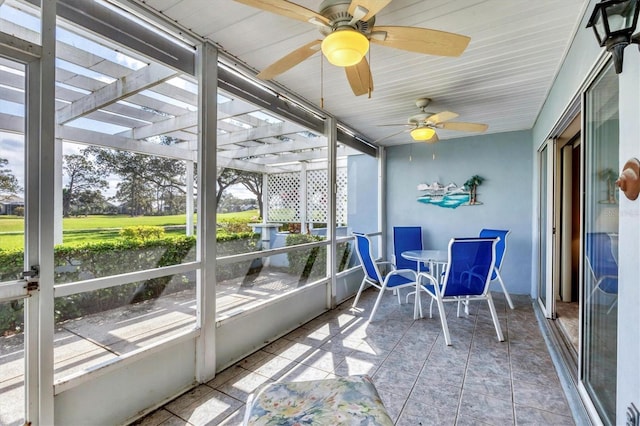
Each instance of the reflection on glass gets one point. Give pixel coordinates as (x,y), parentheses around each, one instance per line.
(600,246)
(273,193)
(361,196)
(242,285)
(97,326)
(12,394)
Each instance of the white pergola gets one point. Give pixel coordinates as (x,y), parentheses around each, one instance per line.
(113,97)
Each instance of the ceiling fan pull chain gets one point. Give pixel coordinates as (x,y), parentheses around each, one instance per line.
(369,88)
(322,81)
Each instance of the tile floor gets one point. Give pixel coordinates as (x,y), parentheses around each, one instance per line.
(476,381)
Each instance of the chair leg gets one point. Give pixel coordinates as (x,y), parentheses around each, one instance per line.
(397,290)
(504,290)
(494,315)
(431,308)
(465,303)
(355,302)
(443,321)
(406,299)
(375,307)
(417,303)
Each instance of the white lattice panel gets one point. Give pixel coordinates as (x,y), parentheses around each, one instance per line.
(317,197)
(341,195)
(284,197)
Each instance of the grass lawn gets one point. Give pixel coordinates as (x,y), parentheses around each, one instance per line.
(78,230)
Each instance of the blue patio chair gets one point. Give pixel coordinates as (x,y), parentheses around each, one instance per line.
(394,279)
(407,238)
(467,277)
(501,249)
(603,264)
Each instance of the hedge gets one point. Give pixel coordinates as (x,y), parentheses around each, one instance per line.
(101,259)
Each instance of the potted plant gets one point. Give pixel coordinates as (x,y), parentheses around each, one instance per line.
(472,185)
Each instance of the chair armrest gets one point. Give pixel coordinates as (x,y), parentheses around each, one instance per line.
(386,262)
(404,271)
(428,277)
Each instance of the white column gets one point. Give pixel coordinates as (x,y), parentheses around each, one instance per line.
(303,198)
(265,197)
(207,72)
(46,192)
(332,135)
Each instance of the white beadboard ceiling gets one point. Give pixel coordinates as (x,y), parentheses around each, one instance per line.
(502,79)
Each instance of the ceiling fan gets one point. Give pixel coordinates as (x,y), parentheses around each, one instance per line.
(348,27)
(423,125)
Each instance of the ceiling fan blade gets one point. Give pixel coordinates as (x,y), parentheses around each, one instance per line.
(286,8)
(421,40)
(359,77)
(464,127)
(372,6)
(391,135)
(441,117)
(289,61)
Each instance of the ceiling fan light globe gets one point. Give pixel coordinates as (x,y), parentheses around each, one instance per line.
(422,133)
(345,48)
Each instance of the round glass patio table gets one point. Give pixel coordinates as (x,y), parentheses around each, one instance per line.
(436,259)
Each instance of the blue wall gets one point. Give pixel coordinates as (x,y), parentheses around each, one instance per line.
(362,190)
(504,160)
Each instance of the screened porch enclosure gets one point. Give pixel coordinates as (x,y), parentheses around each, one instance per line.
(134,211)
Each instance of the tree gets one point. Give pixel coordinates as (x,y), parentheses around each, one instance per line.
(145,180)
(90,202)
(8,183)
(250,180)
(253,182)
(83,176)
(226,177)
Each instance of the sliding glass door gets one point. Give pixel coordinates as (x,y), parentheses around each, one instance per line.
(545,229)
(600,245)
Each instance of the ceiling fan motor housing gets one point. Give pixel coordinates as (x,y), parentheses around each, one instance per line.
(337,13)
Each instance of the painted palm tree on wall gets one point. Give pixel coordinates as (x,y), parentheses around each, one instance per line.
(472,186)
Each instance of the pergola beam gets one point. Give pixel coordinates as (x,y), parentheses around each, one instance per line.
(135,82)
(162,127)
(274,148)
(298,156)
(271,130)
(230,163)
(89,137)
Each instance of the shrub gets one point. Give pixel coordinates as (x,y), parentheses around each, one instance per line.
(235,225)
(19,211)
(142,232)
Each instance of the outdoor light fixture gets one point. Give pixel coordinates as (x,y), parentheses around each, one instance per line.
(614,22)
(345,47)
(422,133)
